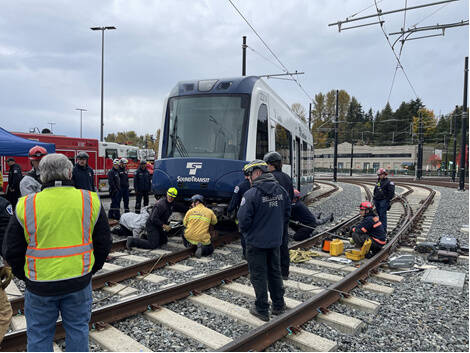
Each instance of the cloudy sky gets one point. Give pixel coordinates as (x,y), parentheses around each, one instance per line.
(50,60)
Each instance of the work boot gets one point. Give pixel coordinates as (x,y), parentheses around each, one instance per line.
(198,252)
(255,312)
(280,311)
(128,243)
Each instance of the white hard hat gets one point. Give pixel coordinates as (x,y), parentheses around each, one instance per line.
(116,161)
(123,160)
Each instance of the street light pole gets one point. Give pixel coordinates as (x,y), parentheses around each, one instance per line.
(102,29)
(81,111)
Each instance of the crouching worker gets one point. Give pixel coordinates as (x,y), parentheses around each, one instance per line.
(199,222)
(369,227)
(301,214)
(157,224)
(133,224)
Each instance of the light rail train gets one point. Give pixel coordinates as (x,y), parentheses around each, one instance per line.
(212,128)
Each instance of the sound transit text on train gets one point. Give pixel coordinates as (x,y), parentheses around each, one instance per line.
(192,179)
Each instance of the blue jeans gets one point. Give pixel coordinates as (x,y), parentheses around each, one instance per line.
(42,313)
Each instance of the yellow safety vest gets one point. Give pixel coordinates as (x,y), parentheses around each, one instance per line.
(197,221)
(58,224)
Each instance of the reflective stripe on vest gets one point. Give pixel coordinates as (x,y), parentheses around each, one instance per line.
(202,218)
(381,242)
(59,262)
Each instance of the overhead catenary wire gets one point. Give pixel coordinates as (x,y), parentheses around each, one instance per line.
(394,53)
(284,68)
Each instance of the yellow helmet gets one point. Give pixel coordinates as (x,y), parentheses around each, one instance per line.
(172,192)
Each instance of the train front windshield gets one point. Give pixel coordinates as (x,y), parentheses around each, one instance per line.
(207,126)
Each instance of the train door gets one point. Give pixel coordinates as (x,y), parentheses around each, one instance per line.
(297,162)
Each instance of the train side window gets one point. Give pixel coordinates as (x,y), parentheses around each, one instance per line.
(262,132)
(111,153)
(283,143)
(304,165)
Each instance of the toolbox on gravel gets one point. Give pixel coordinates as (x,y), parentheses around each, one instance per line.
(336,247)
(357,255)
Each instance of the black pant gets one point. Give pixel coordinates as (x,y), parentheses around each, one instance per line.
(284,250)
(206,249)
(302,233)
(122,231)
(115,208)
(156,237)
(138,199)
(264,267)
(13,196)
(125,199)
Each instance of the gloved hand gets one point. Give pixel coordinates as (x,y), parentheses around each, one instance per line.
(166,227)
(351,241)
(5,276)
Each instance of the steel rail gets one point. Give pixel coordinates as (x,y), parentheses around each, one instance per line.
(287,323)
(141,268)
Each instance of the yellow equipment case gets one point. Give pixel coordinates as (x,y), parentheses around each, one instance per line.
(336,247)
(357,255)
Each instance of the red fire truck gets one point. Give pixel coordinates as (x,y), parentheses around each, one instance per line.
(101,155)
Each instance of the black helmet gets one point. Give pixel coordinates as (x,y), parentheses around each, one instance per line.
(271,157)
(82,155)
(257,163)
(197,197)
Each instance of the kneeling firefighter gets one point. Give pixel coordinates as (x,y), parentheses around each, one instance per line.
(369,227)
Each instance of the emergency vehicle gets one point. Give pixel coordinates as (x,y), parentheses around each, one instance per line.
(101,155)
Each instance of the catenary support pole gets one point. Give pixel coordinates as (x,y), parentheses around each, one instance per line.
(454,163)
(335,158)
(463,148)
(244,56)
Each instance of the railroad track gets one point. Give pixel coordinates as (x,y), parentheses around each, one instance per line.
(231,280)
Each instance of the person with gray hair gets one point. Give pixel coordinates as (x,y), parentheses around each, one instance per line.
(58,239)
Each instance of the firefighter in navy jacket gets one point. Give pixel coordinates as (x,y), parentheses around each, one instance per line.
(142,185)
(83,176)
(369,227)
(274,161)
(114,191)
(263,215)
(384,192)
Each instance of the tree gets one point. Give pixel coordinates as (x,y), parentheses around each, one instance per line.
(300,111)
(429,124)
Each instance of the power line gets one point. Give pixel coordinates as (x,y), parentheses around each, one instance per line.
(272,52)
(391,47)
(265,58)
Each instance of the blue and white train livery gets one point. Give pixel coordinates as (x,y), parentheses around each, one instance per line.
(211,128)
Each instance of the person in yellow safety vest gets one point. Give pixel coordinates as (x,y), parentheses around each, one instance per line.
(58,239)
(199,221)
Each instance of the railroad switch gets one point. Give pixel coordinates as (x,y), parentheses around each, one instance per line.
(100,325)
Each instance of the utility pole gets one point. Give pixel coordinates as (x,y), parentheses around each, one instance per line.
(310,116)
(51,123)
(352,153)
(454,163)
(335,158)
(447,157)
(244,56)
(463,150)
(419,169)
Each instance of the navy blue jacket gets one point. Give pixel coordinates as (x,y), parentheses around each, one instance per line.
(83,177)
(384,190)
(302,214)
(14,178)
(161,212)
(264,212)
(6,211)
(114,181)
(124,178)
(372,226)
(238,193)
(285,181)
(142,180)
